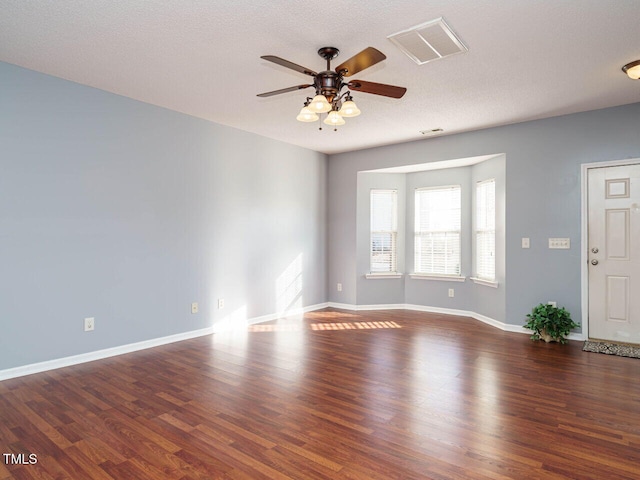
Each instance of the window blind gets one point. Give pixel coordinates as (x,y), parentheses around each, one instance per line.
(384,230)
(437,230)
(486,230)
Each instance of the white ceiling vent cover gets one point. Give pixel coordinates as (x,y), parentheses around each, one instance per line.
(428,41)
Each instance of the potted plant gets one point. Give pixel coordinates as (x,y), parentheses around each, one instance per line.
(550,323)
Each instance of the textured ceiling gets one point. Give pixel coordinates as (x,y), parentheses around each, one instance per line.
(527,59)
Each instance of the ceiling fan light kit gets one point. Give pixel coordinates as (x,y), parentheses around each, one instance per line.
(349,109)
(329,84)
(307,115)
(632,69)
(320,104)
(334,119)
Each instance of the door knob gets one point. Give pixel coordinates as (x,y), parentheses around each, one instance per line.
(594,262)
(595,250)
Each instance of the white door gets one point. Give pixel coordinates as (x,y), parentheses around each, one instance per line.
(614,253)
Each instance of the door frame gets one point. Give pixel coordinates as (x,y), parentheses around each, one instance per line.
(584,235)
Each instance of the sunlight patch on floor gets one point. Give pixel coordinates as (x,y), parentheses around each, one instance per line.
(354,326)
(296,327)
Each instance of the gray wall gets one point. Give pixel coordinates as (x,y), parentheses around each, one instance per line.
(119,210)
(542,199)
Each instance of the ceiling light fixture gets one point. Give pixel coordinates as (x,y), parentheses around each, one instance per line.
(306,114)
(328,98)
(334,118)
(320,104)
(349,108)
(632,69)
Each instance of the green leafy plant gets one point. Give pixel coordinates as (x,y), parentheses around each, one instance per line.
(550,323)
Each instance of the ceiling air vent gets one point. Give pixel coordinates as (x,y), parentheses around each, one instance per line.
(432,132)
(428,41)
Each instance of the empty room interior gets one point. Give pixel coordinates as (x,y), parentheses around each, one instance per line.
(291,240)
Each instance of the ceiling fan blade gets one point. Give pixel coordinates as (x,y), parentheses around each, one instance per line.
(377,88)
(365,59)
(288,64)
(283,90)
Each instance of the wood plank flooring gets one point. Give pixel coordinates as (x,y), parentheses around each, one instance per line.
(331,395)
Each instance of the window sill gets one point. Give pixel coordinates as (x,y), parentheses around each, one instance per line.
(486,283)
(444,278)
(382,276)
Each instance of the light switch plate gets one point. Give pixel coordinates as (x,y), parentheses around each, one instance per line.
(525,242)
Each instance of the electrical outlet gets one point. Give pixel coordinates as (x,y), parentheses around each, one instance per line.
(220,303)
(451,292)
(525,242)
(553,304)
(194,307)
(89,324)
(339,287)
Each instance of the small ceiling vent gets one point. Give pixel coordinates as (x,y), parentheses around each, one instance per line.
(433,131)
(428,41)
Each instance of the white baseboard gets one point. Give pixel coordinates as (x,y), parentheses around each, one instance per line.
(134,347)
(156,342)
(347,306)
(507,327)
(100,354)
(342,306)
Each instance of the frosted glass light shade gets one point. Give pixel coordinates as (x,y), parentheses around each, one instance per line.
(334,118)
(306,115)
(319,104)
(349,109)
(632,70)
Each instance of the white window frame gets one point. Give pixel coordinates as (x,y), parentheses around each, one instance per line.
(485,233)
(452,266)
(392,270)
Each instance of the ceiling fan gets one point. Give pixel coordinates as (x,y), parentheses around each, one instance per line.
(328,85)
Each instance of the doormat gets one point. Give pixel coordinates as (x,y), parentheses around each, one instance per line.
(621,350)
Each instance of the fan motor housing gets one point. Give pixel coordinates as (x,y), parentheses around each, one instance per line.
(328,83)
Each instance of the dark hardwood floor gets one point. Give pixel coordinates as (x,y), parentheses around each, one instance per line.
(336,394)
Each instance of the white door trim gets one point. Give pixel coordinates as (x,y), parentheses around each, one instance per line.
(584,238)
